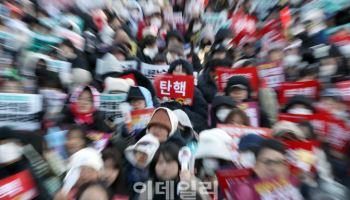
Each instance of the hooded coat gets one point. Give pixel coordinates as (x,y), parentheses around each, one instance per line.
(141,92)
(205,83)
(93,120)
(198,112)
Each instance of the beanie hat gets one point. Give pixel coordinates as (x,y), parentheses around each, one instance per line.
(283,127)
(148,144)
(238,81)
(299,99)
(117,84)
(185,65)
(177,48)
(214,143)
(212,64)
(166,118)
(85,157)
(81,76)
(134,93)
(250,142)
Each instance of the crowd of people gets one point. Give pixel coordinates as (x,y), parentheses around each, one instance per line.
(270,99)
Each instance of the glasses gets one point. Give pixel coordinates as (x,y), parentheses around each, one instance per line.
(270,162)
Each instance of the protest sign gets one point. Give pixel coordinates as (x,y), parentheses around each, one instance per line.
(140,118)
(225,73)
(100,139)
(59,66)
(150,71)
(228,177)
(43,42)
(18,186)
(20,111)
(301,155)
(251,109)
(56,140)
(177,87)
(243,26)
(257,189)
(307,88)
(215,20)
(111,106)
(273,73)
(344,90)
(110,64)
(236,132)
(317,121)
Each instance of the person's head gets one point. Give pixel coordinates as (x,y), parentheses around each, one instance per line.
(163,124)
(271,160)
(224,36)
(308,130)
(174,36)
(122,37)
(92,191)
(237,117)
(76,139)
(153,15)
(165,165)
(247,147)
(180,67)
(249,49)
(142,153)
(174,51)
(111,165)
(221,107)
(238,88)
(84,166)
(218,52)
(84,100)
(275,55)
(136,98)
(299,104)
(150,46)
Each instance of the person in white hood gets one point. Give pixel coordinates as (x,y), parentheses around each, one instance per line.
(163,124)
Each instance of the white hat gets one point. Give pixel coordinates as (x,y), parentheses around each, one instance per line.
(81,76)
(89,157)
(150,8)
(148,144)
(183,118)
(283,127)
(149,30)
(117,84)
(214,143)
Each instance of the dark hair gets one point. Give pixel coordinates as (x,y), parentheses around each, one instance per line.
(311,134)
(113,154)
(169,151)
(88,185)
(270,144)
(241,113)
(83,132)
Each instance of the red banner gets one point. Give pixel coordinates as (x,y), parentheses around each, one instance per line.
(251,109)
(332,130)
(301,155)
(244,27)
(307,88)
(225,73)
(273,73)
(178,87)
(18,186)
(344,90)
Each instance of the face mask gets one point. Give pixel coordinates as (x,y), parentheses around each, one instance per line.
(328,70)
(151,52)
(222,114)
(9,152)
(156,22)
(247,159)
(291,60)
(196,27)
(300,111)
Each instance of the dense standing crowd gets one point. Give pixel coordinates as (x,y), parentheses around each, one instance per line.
(84,112)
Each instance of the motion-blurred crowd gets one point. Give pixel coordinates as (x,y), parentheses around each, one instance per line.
(269,111)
